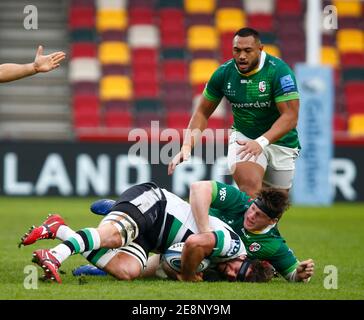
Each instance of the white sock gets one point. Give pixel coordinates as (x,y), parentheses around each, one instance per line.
(61,252)
(64,232)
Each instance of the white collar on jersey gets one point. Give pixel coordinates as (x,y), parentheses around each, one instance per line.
(263,55)
(266,230)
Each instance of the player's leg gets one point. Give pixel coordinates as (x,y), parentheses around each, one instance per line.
(248,175)
(281,167)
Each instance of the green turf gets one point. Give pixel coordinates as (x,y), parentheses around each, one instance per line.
(331,236)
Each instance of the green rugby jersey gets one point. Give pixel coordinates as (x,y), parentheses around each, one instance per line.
(229,204)
(253,96)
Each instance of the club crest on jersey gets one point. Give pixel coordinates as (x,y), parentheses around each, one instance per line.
(262,86)
(254,247)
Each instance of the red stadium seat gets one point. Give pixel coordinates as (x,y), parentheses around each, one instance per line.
(118,119)
(174,71)
(178,120)
(261,22)
(144,89)
(173,38)
(86,111)
(82,18)
(354,96)
(171,18)
(291,7)
(86,103)
(340,122)
(352,59)
(144,57)
(140,15)
(83,49)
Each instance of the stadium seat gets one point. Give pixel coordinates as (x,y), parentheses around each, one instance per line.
(350,40)
(113,52)
(229,19)
(261,6)
(272,50)
(84,69)
(143,36)
(340,122)
(83,50)
(86,120)
(177,119)
(144,57)
(229,4)
(177,95)
(345,22)
(174,71)
(193,6)
(115,87)
(146,89)
(86,111)
(115,69)
(173,53)
(352,8)
(200,19)
(144,119)
(173,38)
(354,96)
(85,87)
(81,17)
(141,15)
(352,59)
(291,7)
(111,20)
(147,106)
(83,35)
(261,22)
(118,105)
(111,4)
(353,74)
(329,56)
(170,4)
(201,70)
(118,119)
(202,37)
(112,35)
(171,18)
(356,124)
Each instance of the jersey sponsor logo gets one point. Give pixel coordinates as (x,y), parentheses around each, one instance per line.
(254,247)
(246,81)
(255,104)
(262,86)
(228,86)
(222,194)
(287,83)
(234,248)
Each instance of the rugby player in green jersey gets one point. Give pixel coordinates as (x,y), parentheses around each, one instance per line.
(42,63)
(262,92)
(254,220)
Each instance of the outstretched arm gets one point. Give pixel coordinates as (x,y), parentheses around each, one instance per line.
(198,123)
(13,71)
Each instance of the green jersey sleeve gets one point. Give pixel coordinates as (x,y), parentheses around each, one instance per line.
(284,261)
(228,198)
(213,90)
(285,85)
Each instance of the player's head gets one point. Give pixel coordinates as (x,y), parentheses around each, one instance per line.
(246,270)
(247,49)
(266,210)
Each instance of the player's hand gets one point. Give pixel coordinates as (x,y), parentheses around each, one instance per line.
(249,149)
(305,270)
(47,63)
(183,155)
(197,277)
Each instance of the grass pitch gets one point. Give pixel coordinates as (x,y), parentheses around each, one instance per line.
(331,236)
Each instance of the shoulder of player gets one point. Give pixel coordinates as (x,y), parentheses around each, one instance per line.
(266,246)
(275,63)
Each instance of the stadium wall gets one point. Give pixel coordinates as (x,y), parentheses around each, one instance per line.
(106,169)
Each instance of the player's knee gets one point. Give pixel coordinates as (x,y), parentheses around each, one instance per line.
(126,273)
(250,185)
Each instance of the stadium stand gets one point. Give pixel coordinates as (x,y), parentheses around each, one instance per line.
(135,61)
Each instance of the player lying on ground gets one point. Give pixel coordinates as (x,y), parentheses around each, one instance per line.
(254,220)
(13,71)
(144,219)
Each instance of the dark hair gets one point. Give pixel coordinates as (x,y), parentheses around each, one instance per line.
(246,32)
(272,202)
(260,271)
